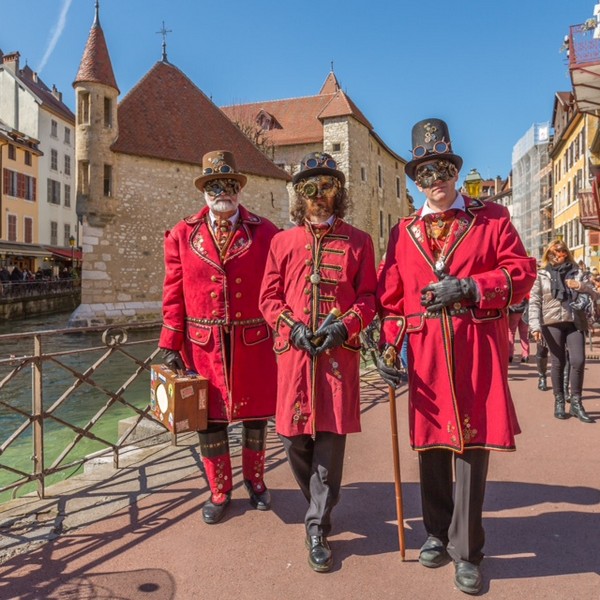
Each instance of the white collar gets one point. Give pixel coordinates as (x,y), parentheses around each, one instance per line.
(233,219)
(459,203)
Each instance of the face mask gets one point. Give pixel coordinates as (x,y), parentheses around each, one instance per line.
(440,170)
(216,187)
(320,186)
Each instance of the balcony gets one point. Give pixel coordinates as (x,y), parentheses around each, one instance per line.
(584,66)
(589,208)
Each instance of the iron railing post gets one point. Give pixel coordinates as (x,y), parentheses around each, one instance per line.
(37,412)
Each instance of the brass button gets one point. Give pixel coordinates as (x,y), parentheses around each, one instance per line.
(306,291)
(238,280)
(238,315)
(215,313)
(308,262)
(213,294)
(307,311)
(238,295)
(213,277)
(307,246)
(307,278)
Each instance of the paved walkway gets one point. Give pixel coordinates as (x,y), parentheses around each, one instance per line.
(542,517)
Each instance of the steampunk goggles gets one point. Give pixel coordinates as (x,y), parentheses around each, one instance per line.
(314,187)
(440,147)
(442,170)
(221,168)
(216,187)
(321,161)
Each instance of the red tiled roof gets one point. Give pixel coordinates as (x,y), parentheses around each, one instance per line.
(341,105)
(95,64)
(331,85)
(42,91)
(166,116)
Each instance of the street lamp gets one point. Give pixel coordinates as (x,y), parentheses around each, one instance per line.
(473,183)
(72,244)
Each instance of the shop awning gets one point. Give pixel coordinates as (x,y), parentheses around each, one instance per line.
(17,249)
(64,253)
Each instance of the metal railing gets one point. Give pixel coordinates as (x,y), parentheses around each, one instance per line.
(15,290)
(73,390)
(583,46)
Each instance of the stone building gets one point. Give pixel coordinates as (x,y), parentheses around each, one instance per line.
(136,163)
(331,122)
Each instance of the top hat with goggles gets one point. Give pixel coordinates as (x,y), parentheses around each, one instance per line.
(318,163)
(431,140)
(219,164)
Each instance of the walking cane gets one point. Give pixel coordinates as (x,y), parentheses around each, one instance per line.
(389,357)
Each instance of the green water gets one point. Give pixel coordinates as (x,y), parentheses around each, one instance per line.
(78,409)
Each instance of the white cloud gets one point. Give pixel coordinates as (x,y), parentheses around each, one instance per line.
(56,33)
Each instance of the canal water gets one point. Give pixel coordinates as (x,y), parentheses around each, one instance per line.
(81,405)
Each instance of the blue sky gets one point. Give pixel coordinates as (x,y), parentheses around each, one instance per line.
(489,68)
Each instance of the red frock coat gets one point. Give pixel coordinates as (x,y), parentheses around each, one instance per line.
(204,297)
(319,394)
(458,360)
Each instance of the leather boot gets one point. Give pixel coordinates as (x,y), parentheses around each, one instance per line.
(214,449)
(578,411)
(542,367)
(566,375)
(559,407)
(254,441)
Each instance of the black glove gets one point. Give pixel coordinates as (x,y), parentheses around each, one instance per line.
(335,335)
(390,374)
(173,360)
(446,292)
(300,337)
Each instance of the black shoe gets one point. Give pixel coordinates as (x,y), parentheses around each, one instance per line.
(260,501)
(467,577)
(433,553)
(559,407)
(542,383)
(524,359)
(213,513)
(578,411)
(510,359)
(319,553)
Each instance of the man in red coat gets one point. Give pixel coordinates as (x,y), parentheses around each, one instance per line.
(452,270)
(212,325)
(318,293)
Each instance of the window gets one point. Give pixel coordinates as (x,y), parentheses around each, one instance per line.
(380,223)
(67,195)
(336,147)
(12,152)
(53,233)
(53,128)
(12,228)
(28,158)
(379,176)
(54,160)
(83,108)
(363,174)
(30,188)
(28,230)
(19,185)
(67,232)
(398,187)
(107,112)
(53,191)
(107,180)
(67,136)
(84,177)
(67,164)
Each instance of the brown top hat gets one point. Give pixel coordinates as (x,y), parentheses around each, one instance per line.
(431,140)
(218,164)
(318,163)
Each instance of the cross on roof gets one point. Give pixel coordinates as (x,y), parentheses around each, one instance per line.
(164,32)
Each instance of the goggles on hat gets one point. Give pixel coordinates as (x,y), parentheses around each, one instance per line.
(324,161)
(216,187)
(222,168)
(428,174)
(440,147)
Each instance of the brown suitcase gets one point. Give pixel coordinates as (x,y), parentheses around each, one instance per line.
(179,402)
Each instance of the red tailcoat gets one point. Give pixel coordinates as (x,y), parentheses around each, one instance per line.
(205,297)
(458,360)
(319,394)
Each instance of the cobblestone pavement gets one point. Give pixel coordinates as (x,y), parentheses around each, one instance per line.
(137,533)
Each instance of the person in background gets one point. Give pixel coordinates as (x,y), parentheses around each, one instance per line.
(318,294)
(212,325)
(517,313)
(556,314)
(451,271)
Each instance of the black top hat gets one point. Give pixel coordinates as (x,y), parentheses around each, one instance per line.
(318,163)
(431,140)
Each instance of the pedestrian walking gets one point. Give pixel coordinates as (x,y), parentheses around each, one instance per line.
(451,271)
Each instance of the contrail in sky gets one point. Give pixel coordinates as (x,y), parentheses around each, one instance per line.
(56,33)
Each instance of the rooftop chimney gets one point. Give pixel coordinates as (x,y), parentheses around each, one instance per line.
(56,93)
(11,61)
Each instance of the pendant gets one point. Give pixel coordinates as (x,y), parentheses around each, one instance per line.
(440,267)
(315,278)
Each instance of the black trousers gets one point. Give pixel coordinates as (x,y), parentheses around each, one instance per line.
(561,337)
(455,520)
(317,465)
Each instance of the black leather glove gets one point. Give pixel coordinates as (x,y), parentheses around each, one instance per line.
(300,337)
(173,360)
(391,374)
(446,292)
(334,335)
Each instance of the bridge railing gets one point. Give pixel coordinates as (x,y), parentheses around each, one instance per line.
(15,290)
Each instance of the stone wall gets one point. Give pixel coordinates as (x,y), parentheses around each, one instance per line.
(20,308)
(123,268)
